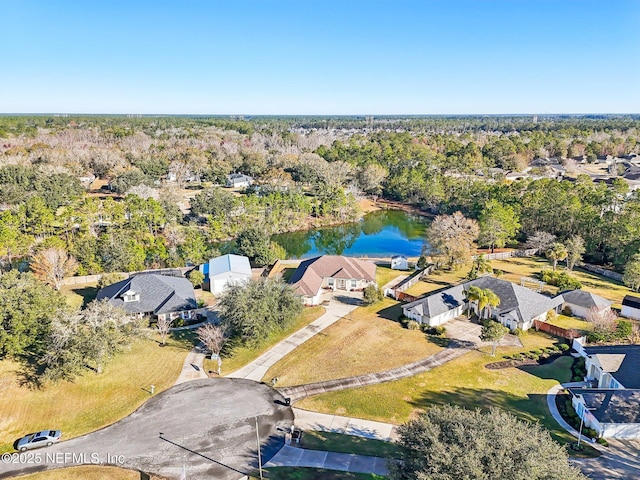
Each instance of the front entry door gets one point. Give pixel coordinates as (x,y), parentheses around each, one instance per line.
(341,284)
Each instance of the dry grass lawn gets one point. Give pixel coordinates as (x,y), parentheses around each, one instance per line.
(567,322)
(385,274)
(438,281)
(464,381)
(79,295)
(515,268)
(92,401)
(366,341)
(237,357)
(87,473)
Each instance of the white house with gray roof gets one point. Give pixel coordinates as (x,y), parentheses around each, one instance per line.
(152,295)
(612,405)
(519,306)
(581,301)
(224,271)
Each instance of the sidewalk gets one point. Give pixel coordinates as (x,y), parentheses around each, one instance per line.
(300,457)
(192,368)
(553,408)
(357,427)
(257,369)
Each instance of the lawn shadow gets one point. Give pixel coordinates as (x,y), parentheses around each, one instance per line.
(391,313)
(88,294)
(185,338)
(559,369)
(532,408)
(438,340)
(31,373)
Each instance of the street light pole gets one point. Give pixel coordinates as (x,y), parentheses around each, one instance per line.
(580,431)
(259,454)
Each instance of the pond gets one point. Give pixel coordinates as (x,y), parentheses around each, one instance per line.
(379,234)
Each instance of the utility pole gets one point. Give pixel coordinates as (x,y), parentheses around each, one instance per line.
(259,455)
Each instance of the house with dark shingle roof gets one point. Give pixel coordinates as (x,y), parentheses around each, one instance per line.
(331,272)
(581,301)
(631,307)
(612,407)
(519,306)
(152,295)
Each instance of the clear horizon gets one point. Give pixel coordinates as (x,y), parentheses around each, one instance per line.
(282,57)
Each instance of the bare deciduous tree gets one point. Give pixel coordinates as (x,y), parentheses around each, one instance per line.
(452,237)
(603,320)
(163,325)
(541,241)
(52,265)
(214,337)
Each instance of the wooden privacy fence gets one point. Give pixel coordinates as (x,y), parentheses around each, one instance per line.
(569,334)
(81,280)
(405,297)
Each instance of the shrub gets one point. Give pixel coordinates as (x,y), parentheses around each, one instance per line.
(534,357)
(519,332)
(404,320)
(372,294)
(567,311)
(563,347)
(413,325)
(603,442)
(560,279)
(624,329)
(590,432)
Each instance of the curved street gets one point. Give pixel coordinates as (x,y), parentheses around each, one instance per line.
(207,425)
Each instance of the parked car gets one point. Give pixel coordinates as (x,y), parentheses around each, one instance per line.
(38,439)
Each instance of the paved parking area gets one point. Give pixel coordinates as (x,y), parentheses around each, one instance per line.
(207,425)
(463,330)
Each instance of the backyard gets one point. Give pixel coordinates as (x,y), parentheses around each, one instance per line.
(92,401)
(367,340)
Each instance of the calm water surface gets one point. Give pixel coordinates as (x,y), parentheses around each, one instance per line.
(378,234)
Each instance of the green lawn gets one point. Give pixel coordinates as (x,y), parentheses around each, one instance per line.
(297,473)
(438,281)
(567,322)
(385,274)
(235,357)
(367,340)
(92,401)
(79,295)
(464,381)
(341,443)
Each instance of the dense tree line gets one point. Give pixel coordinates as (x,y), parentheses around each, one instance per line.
(309,171)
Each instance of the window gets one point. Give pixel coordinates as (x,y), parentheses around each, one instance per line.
(330,282)
(131,297)
(354,283)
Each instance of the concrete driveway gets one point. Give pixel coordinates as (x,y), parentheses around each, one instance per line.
(207,425)
(620,460)
(462,330)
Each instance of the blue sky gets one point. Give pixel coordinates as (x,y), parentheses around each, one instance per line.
(320,57)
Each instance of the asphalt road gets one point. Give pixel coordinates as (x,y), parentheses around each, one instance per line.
(207,425)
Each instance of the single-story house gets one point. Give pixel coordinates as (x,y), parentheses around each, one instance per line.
(581,301)
(239,180)
(223,271)
(159,296)
(399,262)
(331,272)
(612,407)
(631,307)
(519,306)
(611,413)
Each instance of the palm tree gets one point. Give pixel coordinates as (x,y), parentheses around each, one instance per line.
(474,294)
(491,300)
(556,251)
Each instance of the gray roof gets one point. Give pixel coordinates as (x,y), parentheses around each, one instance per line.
(585,299)
(158,294)
(611,406)
(522,303)
(628,369)
(438,303)
(229,264)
